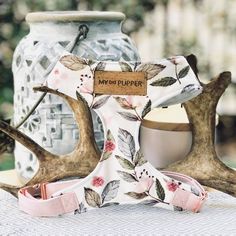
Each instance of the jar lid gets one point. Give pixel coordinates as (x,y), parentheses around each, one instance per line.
(74,16)
(173,118)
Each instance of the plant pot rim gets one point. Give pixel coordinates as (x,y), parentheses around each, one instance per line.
(74,16)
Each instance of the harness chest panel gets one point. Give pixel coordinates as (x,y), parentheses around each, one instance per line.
(123,175)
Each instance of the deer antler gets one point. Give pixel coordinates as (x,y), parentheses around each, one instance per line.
(53,167)
(202,163)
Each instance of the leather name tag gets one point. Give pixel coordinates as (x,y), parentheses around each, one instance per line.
(120,83)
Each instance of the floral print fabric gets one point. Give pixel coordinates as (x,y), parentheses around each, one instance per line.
(123,175)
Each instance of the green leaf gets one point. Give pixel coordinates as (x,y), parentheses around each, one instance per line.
(126,143)
(128,116)
(137,195)
(183,72)
(164,82)
(100,102)
(125,66)
(151,69)
(139,159)
(160,190)
(110,204)
(105,156)
(73,62)
(100,66)
(125,163)
(124,103)
(110,191)
(176,208)
(150,202)
(147,108)
(126,176)
(110,136)
(92,197)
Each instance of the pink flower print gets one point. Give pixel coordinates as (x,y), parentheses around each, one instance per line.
(85,83)
(109,146)
(56,71)
(175,60)
(172,186)
(145,182)
(97,181)
(134,101)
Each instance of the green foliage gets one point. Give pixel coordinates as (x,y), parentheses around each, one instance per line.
(133,9)
(6,162)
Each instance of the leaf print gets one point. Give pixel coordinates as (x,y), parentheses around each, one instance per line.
(137,195)
(125,66)
(151,69)
(124,103)
(110,191)
(110,204)
(178,208)
(90,62)
(100,66)
(150,202)
(164,82)
(109,146)
(125,163)
(147,108)
(139,159)
(92,197)
(188,88)
(126,143)
(128,116)
(136,64)
(105,156)
(183,72)
(81,209)
(99,103)
(126,176)
(110,136)
(160,190)
(73,62)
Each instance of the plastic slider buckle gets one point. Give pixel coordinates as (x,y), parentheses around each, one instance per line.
(201,201)
(40,190)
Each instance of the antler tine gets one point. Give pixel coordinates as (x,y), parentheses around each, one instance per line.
(82,115)
(202,163)
(52,167)
(41,153)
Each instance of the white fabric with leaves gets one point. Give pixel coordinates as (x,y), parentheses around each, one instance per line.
(123,176)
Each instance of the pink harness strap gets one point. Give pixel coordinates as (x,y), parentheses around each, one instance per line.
(47,206)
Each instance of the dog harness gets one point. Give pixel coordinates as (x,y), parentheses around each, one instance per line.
(123,175)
